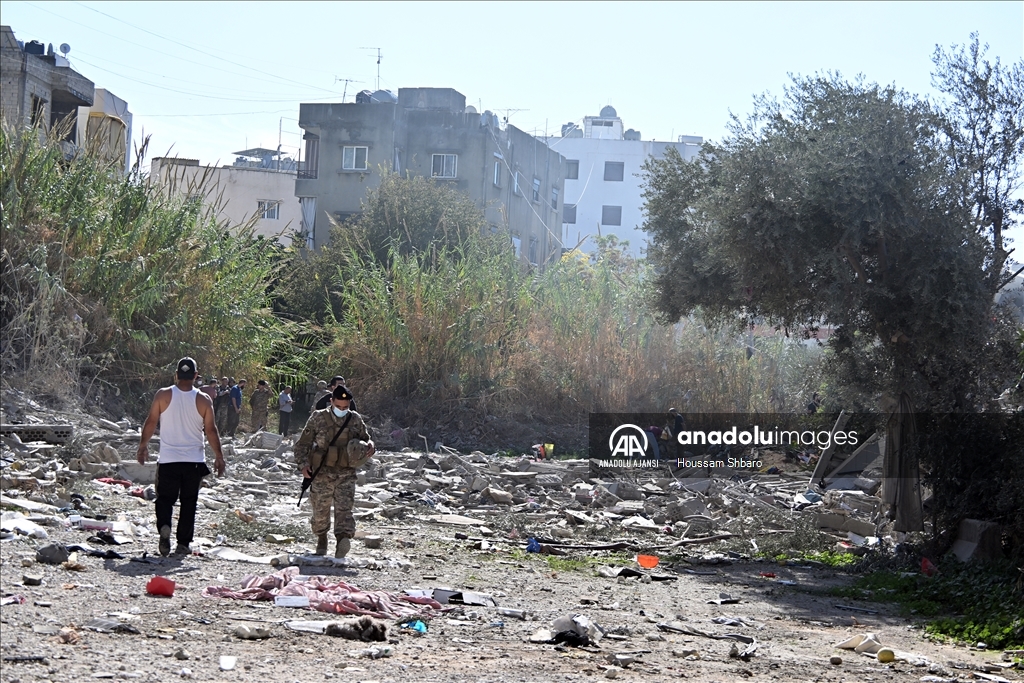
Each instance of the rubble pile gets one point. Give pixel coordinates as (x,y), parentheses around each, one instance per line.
(561,504)
(449,549)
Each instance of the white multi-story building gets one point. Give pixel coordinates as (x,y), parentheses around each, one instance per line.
(257,187)
(603,184)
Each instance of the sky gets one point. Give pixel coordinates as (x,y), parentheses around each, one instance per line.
(207,79)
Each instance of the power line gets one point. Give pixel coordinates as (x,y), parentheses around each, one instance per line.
(202,51)
(208,64)
(195,94)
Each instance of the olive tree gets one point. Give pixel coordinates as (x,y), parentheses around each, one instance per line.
(835,206)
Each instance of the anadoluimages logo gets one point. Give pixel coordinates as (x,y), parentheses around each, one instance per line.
(628,441)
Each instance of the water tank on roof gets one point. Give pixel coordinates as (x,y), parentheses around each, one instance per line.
(568,129)
(34,47)
(470,109)
(364,97)
(384,96)
(631,135)
(608,112)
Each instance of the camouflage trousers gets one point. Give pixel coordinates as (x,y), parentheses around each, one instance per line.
(259,419)
(333,487)
(222,419)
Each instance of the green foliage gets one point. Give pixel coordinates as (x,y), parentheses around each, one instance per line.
(105,277)
(983,123)
(436,326)
(974,602)
(411,215)
(832,207)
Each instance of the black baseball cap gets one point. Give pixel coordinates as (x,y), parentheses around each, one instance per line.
(341,394)
(186,368)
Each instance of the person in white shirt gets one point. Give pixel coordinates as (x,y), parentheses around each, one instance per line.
(284,406)
(184,414)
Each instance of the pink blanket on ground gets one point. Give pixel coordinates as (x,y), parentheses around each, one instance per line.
(326,594)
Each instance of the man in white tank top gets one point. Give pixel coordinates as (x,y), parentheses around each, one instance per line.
(184,415)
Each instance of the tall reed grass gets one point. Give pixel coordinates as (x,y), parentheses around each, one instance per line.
(107,278)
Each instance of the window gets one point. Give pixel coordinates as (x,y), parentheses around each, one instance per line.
(268,209)
(569,213)
(536,189)
(444,166)
(38,110)
(613,170)
(307,169)
(533,250)
(572,169)
(611,215)
(554,199)
(515,182)
(517,245)
(497,174)
(353,158)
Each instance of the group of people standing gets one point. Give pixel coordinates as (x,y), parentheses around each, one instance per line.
(228,397)
(333,444)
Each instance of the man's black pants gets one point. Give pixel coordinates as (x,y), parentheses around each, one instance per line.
(179,481)
(286,418)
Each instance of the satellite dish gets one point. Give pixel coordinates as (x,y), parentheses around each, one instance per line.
(65,49)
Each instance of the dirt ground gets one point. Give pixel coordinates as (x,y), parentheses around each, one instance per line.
(184,636)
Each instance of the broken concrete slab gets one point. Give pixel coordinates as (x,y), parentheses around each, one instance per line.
(978,540)
(832,520)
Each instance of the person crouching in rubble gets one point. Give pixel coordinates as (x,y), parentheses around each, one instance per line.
(322,452)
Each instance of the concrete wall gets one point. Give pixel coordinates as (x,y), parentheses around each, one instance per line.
(405,136)
(234,192)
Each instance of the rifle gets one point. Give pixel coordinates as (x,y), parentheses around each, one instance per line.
(308,481)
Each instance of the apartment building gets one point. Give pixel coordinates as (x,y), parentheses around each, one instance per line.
(258,186)
(603,187)
(515,178)
(39,88)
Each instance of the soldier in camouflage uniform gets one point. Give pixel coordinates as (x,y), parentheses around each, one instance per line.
(333,485)
(258,402)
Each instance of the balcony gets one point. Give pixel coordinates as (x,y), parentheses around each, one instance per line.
(306,171)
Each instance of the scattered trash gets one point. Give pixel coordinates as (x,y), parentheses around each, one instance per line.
(647,561)
(251,632)
(160,585)
(724,599)
(416,625)
(52,553)
(291,600)
(227,662)
(105,625)
(363,628)
(864,642)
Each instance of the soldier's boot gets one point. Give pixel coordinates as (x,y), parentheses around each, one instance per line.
(343,546)
(321,545)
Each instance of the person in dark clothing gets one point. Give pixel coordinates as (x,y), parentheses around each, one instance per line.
(325,400)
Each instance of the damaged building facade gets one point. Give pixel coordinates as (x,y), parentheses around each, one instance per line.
(515,179)
(38,88)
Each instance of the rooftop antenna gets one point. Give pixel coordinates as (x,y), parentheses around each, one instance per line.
(509,112)
(345,89)
(379,57)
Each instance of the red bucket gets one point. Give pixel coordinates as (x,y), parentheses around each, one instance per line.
(160,585)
